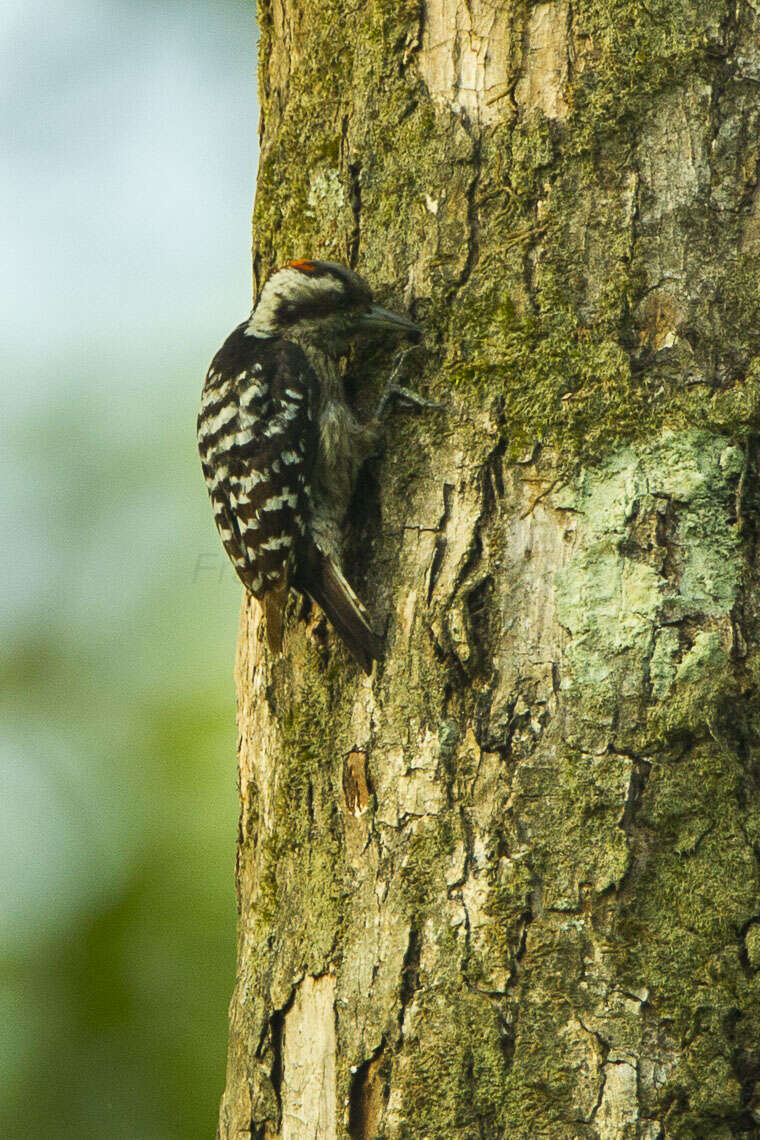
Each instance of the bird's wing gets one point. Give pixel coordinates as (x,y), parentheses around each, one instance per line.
(257,434)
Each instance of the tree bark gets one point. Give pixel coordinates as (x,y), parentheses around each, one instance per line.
(508,885)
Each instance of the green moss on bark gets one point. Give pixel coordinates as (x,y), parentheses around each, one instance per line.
(301,854)
(636,51)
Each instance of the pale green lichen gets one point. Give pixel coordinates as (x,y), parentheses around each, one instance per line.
(614,601)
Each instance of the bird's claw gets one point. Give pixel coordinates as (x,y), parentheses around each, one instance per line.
(405,396)
(395,391)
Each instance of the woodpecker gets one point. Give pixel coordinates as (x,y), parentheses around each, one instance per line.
(281,448)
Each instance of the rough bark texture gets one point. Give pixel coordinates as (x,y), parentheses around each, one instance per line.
(508,886)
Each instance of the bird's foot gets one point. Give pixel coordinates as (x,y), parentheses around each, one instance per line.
(405,396)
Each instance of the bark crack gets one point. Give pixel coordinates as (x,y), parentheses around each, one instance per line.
(272,1041)
(473,217)
(409,975)
(367,1095)
(439,549)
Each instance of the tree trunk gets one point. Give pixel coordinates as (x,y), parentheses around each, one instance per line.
(508,885)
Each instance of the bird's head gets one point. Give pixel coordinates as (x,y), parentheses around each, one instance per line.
(323,304)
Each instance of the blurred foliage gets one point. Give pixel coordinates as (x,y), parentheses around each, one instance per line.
(117,945)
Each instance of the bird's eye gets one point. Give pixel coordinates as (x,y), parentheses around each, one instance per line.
(285,311)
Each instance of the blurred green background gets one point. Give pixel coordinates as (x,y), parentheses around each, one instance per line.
(129,152)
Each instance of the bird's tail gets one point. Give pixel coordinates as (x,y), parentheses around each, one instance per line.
(327,585)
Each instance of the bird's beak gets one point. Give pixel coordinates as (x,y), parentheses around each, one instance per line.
(378,318)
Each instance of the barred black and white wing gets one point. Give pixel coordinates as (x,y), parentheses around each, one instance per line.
(257,436)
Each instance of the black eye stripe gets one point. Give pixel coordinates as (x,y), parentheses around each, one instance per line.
(289,312)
